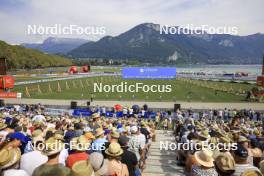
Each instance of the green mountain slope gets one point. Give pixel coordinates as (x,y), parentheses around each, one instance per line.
(20,57)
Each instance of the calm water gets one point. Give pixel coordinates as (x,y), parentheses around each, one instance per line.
(251,69)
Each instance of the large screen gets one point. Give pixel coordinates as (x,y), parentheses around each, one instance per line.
(149,73)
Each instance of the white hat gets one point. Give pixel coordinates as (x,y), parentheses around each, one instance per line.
(134,129)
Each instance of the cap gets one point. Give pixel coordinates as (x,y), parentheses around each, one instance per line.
(241,152)
(123,140)
(19,136)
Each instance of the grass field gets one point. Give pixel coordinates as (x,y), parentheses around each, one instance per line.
(182,90)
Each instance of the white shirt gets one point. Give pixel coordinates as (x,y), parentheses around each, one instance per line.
(125,111)
(63,156)
(3,135)
(31,160)
(130,111)
(39,118)
(15,172)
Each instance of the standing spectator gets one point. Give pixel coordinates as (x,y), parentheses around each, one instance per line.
(52,166)
(114,153)
(129,158)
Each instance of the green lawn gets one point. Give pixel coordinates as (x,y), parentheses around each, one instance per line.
(182,90)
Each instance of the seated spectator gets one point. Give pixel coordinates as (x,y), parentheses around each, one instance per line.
(225,165)
(255,151)
(241,159)
(205,164)
(9,162)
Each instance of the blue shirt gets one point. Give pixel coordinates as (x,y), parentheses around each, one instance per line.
(99,145)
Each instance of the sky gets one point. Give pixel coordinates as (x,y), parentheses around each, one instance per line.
(118,16)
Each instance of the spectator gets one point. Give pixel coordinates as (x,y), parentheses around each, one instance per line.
(129,158)
(241,159)
(114,153)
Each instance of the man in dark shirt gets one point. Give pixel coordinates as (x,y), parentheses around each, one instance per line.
(145,131)
(129,158)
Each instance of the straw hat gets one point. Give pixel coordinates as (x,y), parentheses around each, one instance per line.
(115,134)
(204,134)
(261,165)
(89,136)
(99,132)
(143,124)
(59,137)
(9,157)
(257,132)
(37,133)
(95,115)
(53,146)
(2,126)
(114,150)
(53,130)
(80,143)
(251,172)
(48,118)
(204,158)
(225,140)
(38,139)
(225,162)
(38,123)
(244,131)
(82,168)
(242,139)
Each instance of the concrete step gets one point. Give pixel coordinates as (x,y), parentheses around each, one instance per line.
(164,169)
(161,153)
(161,162)
(162,174)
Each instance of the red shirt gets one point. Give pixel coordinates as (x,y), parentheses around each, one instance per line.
(73,158)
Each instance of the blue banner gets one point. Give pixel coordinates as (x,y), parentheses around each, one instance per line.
(149,73)
(82,112)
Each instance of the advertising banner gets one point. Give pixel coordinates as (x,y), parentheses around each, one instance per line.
(10,95)
(149,73)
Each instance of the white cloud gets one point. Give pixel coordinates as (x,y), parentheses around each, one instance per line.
(119,16)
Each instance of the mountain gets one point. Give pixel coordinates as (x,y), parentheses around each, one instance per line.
(21,57)
(145,43)
(56,45)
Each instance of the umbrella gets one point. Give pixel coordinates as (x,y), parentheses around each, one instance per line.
(118,107)
(135,108)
